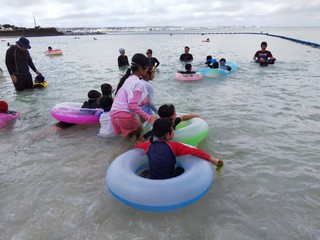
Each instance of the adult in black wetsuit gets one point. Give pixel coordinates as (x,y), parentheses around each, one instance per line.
(153,61)
(123,59)
(18,61)
(186,56)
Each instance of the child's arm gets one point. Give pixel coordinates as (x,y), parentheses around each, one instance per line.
(187,117)
(182,150)
(153,107)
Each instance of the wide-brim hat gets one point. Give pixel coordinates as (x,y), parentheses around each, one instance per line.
(23,42)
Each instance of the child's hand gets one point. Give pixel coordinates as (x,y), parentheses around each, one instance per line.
(217,162)
(153,118)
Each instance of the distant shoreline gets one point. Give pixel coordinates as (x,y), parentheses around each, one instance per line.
(32,32)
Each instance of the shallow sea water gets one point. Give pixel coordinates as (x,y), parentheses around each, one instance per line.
(264,123)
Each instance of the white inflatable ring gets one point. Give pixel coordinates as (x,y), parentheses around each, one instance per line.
(157,195)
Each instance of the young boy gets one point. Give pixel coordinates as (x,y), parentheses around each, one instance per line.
(106,129)
(169,111)
(188,68)
(162,153)
(223,65)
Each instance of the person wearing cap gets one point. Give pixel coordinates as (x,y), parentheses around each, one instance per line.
(18,61)
(162,153)
(130,95)
(263,56)
(93,100)
(123,59)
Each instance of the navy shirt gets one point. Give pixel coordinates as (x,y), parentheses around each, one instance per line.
(162,160)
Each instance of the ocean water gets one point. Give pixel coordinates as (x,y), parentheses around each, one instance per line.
(263,122)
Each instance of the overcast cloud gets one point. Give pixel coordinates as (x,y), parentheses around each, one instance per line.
(189,13)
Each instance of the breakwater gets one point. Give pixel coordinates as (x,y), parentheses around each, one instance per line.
(32,32)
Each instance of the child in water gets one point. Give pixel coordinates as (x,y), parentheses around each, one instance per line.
(92,103)
(188,68)
(106,90)
(149,108)
(39,82)
(93,100)
(162,153)
(106,129)
(5,115)
(168,111)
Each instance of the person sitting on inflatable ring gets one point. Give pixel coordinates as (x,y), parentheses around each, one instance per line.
(92,103)
(162,153)
(188,68)
(223,65)
(209,61)
(5,115)
(263,56)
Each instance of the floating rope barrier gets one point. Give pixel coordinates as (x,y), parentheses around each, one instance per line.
(312,44)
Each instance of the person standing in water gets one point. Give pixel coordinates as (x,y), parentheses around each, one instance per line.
(153,61)
(123,59)
(186,56)
(18,61)
(130,95)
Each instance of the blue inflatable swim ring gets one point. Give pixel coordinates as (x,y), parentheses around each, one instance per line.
(216,72)
(126,185)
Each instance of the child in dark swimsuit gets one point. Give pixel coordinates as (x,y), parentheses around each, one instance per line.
(162,153)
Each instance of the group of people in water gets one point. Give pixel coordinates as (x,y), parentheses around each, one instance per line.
(132,97)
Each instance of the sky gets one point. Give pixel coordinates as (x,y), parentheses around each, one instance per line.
(138,13)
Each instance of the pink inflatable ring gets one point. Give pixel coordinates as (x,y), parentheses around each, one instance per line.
(71,112)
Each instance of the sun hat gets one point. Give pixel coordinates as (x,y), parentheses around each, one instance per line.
(23,42)
(3,107)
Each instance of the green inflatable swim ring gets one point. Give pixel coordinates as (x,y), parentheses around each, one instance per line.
(191,131)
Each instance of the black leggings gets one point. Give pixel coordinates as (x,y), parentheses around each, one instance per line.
(24,81)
